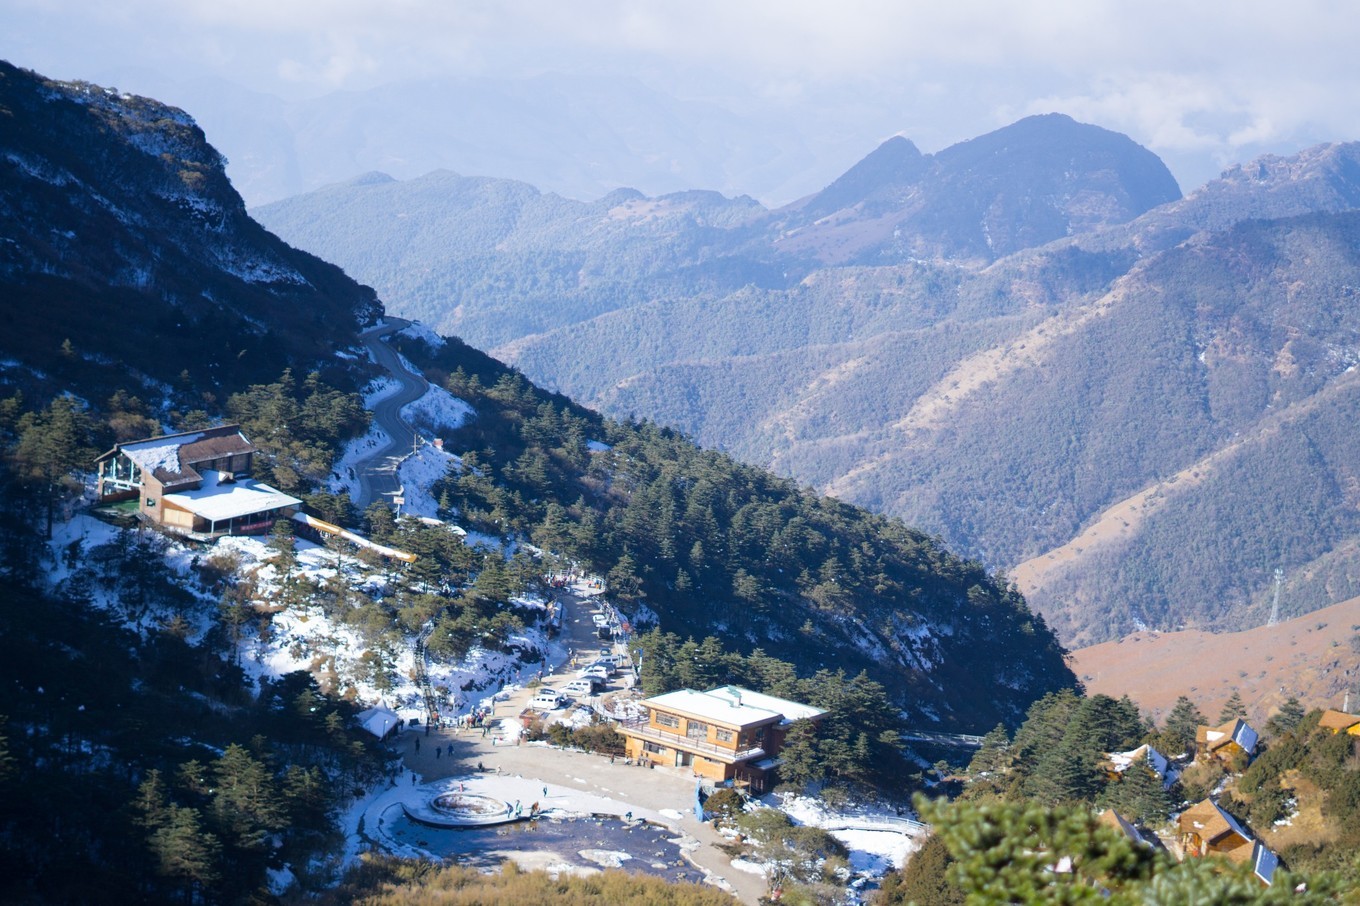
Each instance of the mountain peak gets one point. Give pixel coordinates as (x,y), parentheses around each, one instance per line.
(896,162)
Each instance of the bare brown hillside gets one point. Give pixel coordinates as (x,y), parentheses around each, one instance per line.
(1315,657)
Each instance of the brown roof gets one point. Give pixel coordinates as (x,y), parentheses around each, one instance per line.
(1112,819)
(1236,730)
(171,457)
(1338,720)
(215,447)
(1211,823)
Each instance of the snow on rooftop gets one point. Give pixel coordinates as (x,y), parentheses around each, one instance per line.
(1155,760)
(218,501)
(790,709)
(159,452)
(732,705)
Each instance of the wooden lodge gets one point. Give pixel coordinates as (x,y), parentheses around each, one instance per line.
(724,734)
(1340,722)
(196,483)
(1235,739)
(1207,830)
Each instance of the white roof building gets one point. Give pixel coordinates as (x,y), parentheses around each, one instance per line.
(222,498)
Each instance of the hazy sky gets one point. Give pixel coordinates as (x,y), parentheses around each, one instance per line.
(1202,83)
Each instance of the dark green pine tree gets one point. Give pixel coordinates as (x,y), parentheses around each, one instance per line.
(1139,795)
(246,802)
(802,763)
(1287,718)
(186,853)
(924,880)
(1178,733)
(991,755)
(52,445)
(1069,774)
(1233,708)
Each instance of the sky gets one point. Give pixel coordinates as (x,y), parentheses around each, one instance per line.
(1204,84)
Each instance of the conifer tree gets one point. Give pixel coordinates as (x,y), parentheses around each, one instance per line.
(52,445)
(1178,733)
(1287,718)
(1232,709)
(184,851)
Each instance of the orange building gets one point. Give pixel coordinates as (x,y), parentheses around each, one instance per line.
(728,733)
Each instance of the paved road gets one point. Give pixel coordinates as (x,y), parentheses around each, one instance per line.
(378,471)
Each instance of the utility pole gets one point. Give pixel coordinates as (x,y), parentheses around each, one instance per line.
(1275,608)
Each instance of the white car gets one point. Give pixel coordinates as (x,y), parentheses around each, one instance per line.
(579,688)
(595,670)
(545,700)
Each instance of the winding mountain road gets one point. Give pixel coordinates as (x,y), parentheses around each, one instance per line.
(378,477)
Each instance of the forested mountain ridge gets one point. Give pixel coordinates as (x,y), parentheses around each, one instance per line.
(123,242)
(1186,365)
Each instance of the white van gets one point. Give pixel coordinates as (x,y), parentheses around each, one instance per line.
(579,688)
(545,700)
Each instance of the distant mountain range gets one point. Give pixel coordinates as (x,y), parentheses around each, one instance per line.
(1027,343)
(120,233)
(577,134)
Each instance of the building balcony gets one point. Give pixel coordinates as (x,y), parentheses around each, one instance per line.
(643,730)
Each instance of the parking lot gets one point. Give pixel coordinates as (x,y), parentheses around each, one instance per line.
(667,791)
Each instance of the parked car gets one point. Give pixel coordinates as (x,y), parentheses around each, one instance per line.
(579,688)
(545,700)
(595,670)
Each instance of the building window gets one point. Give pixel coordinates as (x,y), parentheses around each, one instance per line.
(653,748)
(150,501)
(696,730)
(722,735)
(666,720)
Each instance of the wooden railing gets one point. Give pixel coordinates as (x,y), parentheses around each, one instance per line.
(645,730)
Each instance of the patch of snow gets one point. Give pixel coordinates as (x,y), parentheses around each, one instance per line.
(437,411)
(379,389)
(605,858)
(596,446)
(420,331)
(418,473)
(878,839)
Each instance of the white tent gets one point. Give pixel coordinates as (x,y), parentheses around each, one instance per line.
(379,721)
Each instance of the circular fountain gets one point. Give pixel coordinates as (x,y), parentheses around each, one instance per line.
(455,808)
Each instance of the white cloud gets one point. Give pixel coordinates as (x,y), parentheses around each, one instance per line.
(1200,81)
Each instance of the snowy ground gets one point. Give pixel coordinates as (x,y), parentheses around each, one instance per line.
(436,412)
(420,331)
(303,638)
(878,840)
